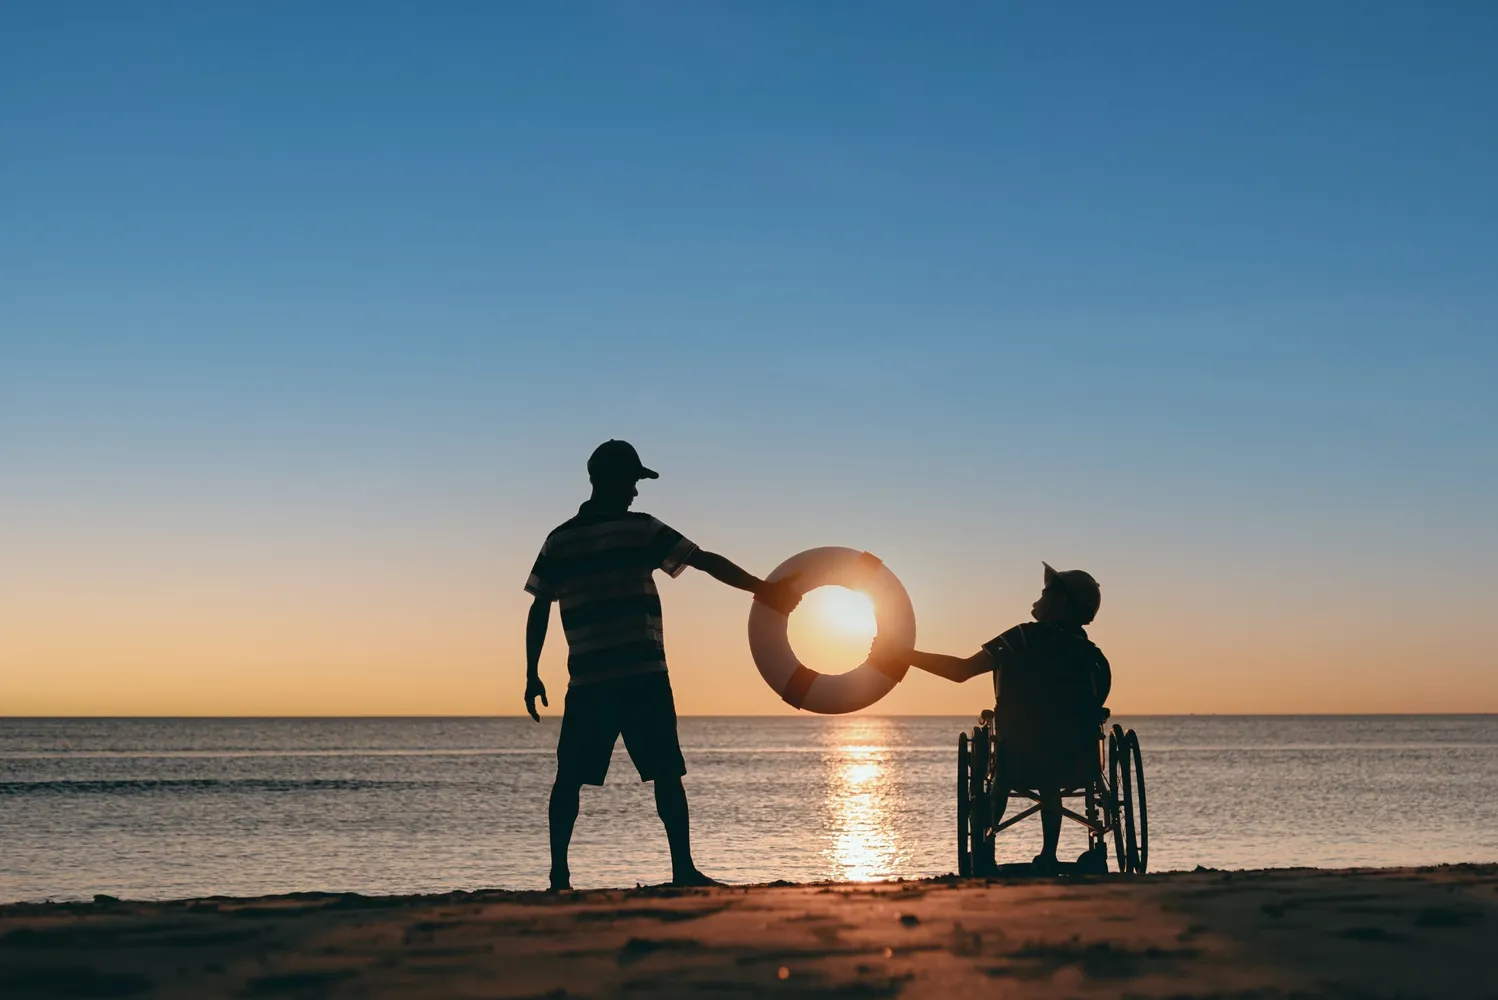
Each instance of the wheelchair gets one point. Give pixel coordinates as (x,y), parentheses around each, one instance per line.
(1113,803)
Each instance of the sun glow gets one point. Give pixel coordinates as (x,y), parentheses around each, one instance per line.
(849,612)
(833,628)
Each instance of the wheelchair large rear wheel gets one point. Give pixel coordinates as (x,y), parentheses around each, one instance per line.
(980,842)
(1141,862)
(964,805)
(1130,817)
(1113,806)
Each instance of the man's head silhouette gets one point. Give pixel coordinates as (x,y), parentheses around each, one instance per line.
(614,468)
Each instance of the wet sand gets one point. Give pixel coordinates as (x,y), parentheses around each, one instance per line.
(1429,932)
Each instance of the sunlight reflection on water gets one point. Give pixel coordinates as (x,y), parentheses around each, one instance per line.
(860,809)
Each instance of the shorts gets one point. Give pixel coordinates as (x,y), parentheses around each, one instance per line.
(641,709)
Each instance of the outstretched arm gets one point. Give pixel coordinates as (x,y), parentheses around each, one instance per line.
(953,668)
(781,595)
(536,622)
(725,571)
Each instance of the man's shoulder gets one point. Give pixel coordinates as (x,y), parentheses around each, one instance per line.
(564,527)
(582,521)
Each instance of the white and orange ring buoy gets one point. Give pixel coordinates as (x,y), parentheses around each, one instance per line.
(832,694)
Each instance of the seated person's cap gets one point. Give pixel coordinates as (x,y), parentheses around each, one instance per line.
(617,461)
(1077,583)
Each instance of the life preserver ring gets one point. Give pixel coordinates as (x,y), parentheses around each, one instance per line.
(832,694)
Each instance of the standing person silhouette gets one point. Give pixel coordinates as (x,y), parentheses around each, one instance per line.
(599,567)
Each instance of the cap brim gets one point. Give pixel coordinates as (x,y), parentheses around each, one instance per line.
(645,473)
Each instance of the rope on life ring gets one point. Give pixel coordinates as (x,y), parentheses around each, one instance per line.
(832,694)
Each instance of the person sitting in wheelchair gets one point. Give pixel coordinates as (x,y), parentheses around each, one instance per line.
(1050,684)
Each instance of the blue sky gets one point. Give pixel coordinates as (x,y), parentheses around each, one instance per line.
(1200,295)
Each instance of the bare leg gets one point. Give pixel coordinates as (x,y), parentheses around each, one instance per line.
(985,850)
(671,803)
(563,816)
(1050,825)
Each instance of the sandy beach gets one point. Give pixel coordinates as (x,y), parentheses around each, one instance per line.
(1426,932)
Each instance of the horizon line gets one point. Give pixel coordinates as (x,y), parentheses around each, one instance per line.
(802,715)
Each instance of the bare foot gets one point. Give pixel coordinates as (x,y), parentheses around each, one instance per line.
(1093,862)
(694,878)
(1045,864)
(560,882)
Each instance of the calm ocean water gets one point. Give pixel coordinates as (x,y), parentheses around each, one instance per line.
(151,808)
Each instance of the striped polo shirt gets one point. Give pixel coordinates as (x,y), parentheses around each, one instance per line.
(598,566)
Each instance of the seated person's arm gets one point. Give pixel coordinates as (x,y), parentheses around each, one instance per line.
(1102,680)
(953,668)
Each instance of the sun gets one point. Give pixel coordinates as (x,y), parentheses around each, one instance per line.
(832,629)
(849,612)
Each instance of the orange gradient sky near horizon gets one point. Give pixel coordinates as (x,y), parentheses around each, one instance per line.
(200,620)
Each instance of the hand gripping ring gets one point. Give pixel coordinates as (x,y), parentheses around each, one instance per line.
(832,694)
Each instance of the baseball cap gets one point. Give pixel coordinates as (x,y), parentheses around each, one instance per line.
(617,460)
(1078,584)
